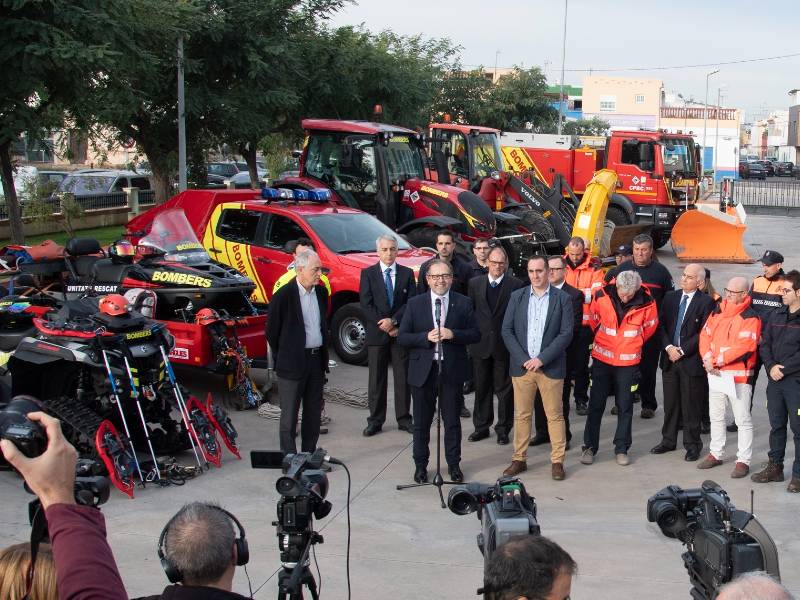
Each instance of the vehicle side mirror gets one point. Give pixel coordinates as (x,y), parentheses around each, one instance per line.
(296,154)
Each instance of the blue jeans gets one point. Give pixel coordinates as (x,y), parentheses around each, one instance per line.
(605,379)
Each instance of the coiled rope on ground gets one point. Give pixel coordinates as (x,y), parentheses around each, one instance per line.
(355,398)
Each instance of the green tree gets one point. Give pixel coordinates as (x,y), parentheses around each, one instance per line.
(593,126)
(518,99)
(464,96)
(50,53)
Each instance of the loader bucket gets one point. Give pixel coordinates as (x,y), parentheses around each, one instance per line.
(624,234)
(591,215)
(708,235)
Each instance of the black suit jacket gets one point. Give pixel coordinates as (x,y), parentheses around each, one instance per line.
(462,273)
(696,315)
(372,294)
(286,333)
(418,321)
(490,322)
(577,307)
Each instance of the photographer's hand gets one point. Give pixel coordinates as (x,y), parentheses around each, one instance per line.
(51,476)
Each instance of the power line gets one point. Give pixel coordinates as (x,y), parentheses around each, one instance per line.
(666,68)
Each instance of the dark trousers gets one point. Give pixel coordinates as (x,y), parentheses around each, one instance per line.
(683,402)
(783,403)
(582,353)
(648,367)
(491,377)
(378,358)
(605,380)
(539,416)
(424,401)
(307,391)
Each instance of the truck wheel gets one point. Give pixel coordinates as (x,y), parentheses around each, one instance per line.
(617,216)
(349,334)
(424,237)
(660,239)
(535,223)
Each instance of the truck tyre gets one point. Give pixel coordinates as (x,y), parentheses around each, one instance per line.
(535,223)
(349,333)
(617,216)
(660,239)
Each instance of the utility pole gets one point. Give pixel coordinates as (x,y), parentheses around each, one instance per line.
(181,122)
(705,110)
(716,134)
(563,56)
(496,55)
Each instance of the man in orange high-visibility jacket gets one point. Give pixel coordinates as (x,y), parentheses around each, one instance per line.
(728,346)
(624,316)
(585,276)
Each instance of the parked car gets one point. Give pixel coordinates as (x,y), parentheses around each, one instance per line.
(242,179)
(768,167)
(752,170)
(260,167)
(784,169)
(90,186)
(225,169)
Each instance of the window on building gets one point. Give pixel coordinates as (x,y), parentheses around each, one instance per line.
(608,103)
(639,99)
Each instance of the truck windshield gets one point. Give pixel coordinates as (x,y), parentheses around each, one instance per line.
(347,233)
(679,156)
(487,154)
(403,159)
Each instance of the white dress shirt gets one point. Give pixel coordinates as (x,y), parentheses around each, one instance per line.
(392,273)
(689,295)
(445,299)
(499,280)
(311,317)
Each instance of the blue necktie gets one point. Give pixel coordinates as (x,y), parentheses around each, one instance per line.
(676,337)
(494,284)
(389,287)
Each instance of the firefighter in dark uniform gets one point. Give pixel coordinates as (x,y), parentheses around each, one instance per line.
(766,296)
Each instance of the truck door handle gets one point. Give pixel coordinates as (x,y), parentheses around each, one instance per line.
(261,259)
(214,250)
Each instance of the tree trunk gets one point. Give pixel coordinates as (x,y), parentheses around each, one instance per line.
(12,202)
(248,152)
(162,181)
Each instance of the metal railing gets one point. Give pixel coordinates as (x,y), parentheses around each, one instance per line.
(679,112)
(776,197)
(93,202)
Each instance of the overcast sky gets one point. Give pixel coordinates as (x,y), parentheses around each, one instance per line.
(621,34)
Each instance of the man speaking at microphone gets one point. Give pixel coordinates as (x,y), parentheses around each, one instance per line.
(438,321)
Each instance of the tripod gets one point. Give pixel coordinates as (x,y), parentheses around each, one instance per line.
(438,480)
(292,579)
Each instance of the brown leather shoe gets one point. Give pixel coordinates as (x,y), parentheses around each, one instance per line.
(708,462)
(740,470)
(515,468)
(794,485)
(558,471)
(771,472)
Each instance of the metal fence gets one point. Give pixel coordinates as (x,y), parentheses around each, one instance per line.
(768,197)
(93,202)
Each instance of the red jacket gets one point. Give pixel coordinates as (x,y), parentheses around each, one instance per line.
(730,339)
(621,330)
(585,277)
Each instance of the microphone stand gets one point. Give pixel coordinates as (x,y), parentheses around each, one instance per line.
(438,480)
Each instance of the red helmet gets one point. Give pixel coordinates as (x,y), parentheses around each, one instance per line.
(206,316)
(114,305)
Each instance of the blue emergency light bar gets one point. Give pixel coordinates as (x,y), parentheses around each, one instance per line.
(319,195)
(316,195)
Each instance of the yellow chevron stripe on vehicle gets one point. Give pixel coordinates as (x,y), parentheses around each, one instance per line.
(519,160)
(234,254)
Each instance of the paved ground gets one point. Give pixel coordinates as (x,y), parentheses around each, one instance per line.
(405,546)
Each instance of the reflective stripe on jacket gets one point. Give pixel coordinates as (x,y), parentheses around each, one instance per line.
(587,278)
(766,295)
(616,342)
(730,339)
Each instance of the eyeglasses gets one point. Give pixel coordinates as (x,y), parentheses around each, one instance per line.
(733,292)
(499,263)
(786,290)
(440,277)
(556,268)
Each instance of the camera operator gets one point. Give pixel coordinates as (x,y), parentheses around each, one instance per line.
(754,585)
(85,567)
(529,568)
(199,550)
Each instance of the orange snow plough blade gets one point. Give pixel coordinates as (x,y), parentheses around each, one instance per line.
(708,235)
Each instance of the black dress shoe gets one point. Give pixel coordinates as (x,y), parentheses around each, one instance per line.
(455,473)
(538,440)
(421,475)
(502,439)
(692,455)
(465,414)
(371,430)
(477,436)
(661,449)
(409,427)
(732,428)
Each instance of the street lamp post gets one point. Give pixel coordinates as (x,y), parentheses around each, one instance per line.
(705,112)
(716,133)
(563,55)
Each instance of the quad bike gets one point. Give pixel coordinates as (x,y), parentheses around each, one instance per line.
(172,272)
(110,381)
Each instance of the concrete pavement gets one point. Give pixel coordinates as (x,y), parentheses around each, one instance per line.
(405,546)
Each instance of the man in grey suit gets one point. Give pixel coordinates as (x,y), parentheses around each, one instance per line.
(537,329)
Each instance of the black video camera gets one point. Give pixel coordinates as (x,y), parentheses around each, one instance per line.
(29,437)
(505,510)
(722,542)
(303,487)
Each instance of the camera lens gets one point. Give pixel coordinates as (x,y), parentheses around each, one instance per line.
(287,486)
(670,519)
(461,501)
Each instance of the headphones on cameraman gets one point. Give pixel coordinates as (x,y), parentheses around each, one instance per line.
(174,573)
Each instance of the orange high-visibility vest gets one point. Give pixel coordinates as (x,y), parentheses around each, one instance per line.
(730,339)
(620,343)
(588,279)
